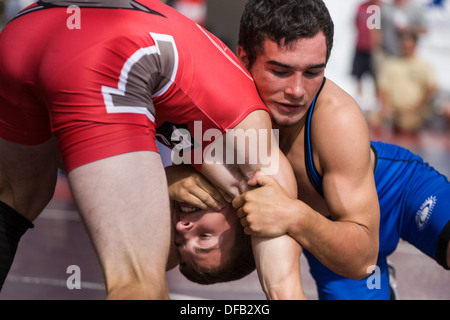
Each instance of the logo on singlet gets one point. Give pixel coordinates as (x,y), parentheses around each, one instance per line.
(235,146)
(175,135)
(425,211)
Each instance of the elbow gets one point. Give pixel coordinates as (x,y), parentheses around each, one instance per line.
(366,257)
(365,267)
(363,263)
(363,272)
(359,273)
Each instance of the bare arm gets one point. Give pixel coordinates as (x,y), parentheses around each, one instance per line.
(280,275)
(277,259)
(341,146)
(281,280)
(347,244)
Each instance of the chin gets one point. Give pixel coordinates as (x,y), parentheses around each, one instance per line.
(285,122)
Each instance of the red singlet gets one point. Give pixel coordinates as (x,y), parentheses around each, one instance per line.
(102,76)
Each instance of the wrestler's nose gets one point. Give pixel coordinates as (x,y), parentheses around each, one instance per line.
(295,87)
(183,226)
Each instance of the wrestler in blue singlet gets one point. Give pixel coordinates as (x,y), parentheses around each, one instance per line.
(414,206)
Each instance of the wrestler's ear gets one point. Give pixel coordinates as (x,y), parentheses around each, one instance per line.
(243,57)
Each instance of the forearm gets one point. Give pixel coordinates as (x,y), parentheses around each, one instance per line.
(278,264)
(278,259)
(280,280)
(345,247)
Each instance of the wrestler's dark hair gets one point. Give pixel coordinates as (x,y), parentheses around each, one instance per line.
(284,22)
(240,264)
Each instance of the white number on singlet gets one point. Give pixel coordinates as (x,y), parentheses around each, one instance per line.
(109,93)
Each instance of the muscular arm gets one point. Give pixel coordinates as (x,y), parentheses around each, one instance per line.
(348,242)
(277,259)
(342,144)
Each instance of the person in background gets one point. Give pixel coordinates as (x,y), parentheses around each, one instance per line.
(193,9)
(406,87)
(2,10)
(396,17)
(437,3)
(365,43)
(12,7)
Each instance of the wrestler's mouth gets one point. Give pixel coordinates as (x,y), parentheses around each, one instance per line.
(187,208)
(288,107)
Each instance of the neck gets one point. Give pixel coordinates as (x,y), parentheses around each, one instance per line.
(288,135)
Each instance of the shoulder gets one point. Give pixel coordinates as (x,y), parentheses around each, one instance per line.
(334,101)
(339,127)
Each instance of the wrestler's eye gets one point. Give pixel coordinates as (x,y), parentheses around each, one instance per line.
(205,236)
(312,74)
(279,73)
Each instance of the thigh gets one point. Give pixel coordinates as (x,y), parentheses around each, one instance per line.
(124,203)
(427,215)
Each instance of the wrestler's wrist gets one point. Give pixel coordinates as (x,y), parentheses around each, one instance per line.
(295,217)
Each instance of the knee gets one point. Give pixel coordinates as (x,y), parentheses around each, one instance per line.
(29,199)
(28,176)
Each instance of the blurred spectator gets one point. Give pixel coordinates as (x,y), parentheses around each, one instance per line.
(2,10)
(437,3)
(396,17)
(193,9)
(365,43)
(446,114)
(407,86)
(12,7)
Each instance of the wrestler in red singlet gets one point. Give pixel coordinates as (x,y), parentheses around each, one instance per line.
(103,86)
